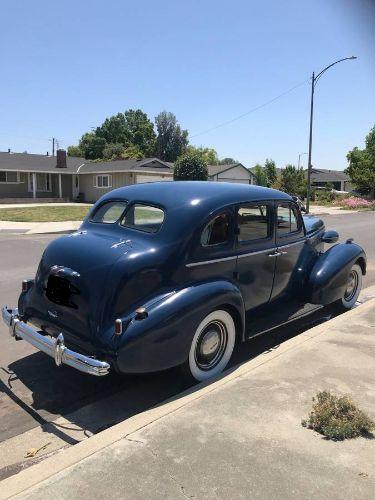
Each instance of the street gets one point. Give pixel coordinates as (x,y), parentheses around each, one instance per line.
(34,392)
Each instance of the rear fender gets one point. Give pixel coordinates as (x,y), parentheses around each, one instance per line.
(163,338)
(328,278)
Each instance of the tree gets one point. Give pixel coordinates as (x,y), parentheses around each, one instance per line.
(132,153)
(190,167)
(113,151)
(208,154)
(271,172)
(132,127)
(361,169)
(92,146)
(74,151)
(113,129)
(227,161)
(171,141)
(260,175)
(293,180)
(140,131)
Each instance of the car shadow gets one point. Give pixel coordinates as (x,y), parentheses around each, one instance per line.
(96,403)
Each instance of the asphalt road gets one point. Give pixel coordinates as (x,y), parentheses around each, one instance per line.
(34,391)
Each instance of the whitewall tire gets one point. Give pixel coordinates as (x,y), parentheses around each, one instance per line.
(212,346)
(353,288)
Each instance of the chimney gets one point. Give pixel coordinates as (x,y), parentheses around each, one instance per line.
(61,158)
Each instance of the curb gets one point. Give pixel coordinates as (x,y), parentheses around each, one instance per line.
(37,473)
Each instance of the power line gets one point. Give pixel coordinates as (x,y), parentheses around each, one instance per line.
(251,110)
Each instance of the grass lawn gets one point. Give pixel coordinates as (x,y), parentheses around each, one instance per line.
(43,214)
(71,213)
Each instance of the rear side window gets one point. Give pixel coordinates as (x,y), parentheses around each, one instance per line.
(143,217)
(110,212)
(216,232)
(287,221)
(253,222)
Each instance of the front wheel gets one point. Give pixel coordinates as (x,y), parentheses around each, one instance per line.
(353,288)
(211,347)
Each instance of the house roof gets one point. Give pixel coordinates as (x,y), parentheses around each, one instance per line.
(145,164)
(25,162)
(218,169)
(324,175)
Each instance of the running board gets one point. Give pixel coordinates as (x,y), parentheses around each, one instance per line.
(289,314)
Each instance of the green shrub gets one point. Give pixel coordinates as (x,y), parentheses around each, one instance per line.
(190,167)
(337,418)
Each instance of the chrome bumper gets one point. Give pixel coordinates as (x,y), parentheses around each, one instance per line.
(53,347)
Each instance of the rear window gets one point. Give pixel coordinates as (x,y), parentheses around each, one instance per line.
(110,212)
(143,217)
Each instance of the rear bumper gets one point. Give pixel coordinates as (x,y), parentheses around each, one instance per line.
(53,347)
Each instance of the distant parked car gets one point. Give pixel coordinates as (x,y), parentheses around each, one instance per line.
(175,273)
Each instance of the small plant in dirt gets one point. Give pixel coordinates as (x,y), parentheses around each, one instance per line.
(337,418)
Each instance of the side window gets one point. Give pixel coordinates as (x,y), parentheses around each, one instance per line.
(216,232)
(253,222)
(109,213)
(146,218)
(287,220)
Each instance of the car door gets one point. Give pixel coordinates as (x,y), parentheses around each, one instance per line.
(290,241)
(255,241)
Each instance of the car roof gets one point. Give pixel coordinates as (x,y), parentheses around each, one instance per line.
(208,195)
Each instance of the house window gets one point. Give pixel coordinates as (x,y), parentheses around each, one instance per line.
(103,181)
(7,177)
(43,183)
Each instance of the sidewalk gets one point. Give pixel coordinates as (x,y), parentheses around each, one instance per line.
(39,227)
(240,436)
(324,210)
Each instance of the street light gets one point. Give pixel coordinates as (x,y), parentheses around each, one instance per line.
(299,158)
(314,80)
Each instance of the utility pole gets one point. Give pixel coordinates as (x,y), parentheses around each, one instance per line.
(314,80)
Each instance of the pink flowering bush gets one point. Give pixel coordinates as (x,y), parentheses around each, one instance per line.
(354,203)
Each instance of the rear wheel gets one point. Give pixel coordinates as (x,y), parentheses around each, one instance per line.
(353,288)
(211,347)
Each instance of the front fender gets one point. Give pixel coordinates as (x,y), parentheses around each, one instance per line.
(328,278)
(162,339)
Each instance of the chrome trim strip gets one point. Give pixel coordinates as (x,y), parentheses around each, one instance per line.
(292,244)
(53,347)
(240,256)
(213,261)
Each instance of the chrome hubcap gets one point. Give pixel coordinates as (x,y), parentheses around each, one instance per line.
(351,286)
(211,345)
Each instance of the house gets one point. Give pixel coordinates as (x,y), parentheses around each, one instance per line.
(66,178)
(235,172)
(33,176)
(321,177)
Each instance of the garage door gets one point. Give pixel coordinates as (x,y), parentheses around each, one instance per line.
(152,178)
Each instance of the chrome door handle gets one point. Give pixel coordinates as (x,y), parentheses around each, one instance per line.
(284,253)
(275,254)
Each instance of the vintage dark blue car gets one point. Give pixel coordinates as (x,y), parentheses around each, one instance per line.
(175,273)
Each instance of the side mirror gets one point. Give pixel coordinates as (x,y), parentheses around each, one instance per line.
(330,237)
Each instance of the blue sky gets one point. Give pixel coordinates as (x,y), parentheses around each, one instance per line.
(66,66)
